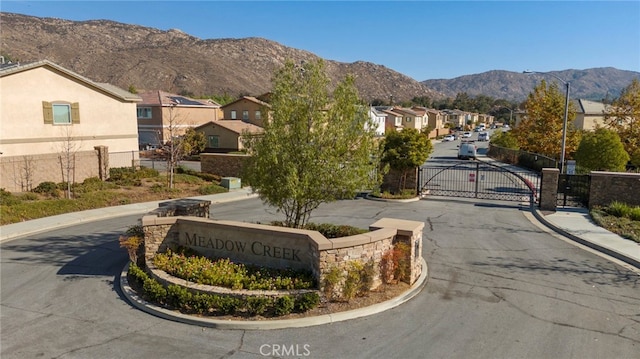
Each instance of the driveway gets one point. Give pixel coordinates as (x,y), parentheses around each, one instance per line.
(499,287)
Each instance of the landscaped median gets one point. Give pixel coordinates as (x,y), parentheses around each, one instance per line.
(245,271)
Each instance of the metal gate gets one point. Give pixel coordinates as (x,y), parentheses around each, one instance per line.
(573,190)
(478,179)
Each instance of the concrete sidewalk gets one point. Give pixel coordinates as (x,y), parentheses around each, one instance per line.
(15,230)
(576,224)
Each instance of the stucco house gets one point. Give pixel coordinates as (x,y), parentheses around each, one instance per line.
(412,118)
(247,109)
(226,135)
(378,119)
(589,114)
(160,113)
(393,120)
(53,121)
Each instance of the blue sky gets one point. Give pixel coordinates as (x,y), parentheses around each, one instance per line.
(421,39)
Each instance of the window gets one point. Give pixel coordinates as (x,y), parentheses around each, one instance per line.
(258,115)
(233,115)
(245,115)
(213,142)
(61,114)
(144,112)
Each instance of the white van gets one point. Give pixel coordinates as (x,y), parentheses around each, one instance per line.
(467,150)
(483,136)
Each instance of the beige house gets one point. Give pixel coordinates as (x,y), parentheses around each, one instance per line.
(589,114)
(393,121)
(52,120)
(411,118)
(226,135)
(160,113)
(247,109)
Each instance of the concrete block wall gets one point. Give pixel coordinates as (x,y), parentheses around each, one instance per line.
(607,187)
(222,164)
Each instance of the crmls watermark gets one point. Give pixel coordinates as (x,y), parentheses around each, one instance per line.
(284,350)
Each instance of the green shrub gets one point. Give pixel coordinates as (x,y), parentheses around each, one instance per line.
(307,301)
(634,214)
(224,273)
(334,231)
(284,305)
(331,283)
(211,189)
(28,196)
(154,291)
(178,296)
(227,305)
(352,280)
(203,302)
(257,305)
(618,209)
(48,188)
(7,198)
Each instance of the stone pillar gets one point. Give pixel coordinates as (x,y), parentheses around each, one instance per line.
(549,189)
(183,207)
(410,233)
(103,162)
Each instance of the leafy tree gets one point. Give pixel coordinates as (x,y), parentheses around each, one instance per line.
(623,116)
(405,150)
(314,149)
(193,142)
(540,131)
(504,139)
(602,150)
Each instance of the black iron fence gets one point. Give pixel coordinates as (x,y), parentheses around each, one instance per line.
(573,190)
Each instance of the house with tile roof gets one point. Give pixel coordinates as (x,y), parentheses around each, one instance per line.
(246,109)
(226,135)
(54,120)
(162,112)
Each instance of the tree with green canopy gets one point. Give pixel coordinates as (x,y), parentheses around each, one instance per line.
(315,148)
(623,116)
(406,150)
(601,150)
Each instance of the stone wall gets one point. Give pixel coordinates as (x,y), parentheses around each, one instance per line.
(549,189)
(607,187)
(222,164)
(281,247)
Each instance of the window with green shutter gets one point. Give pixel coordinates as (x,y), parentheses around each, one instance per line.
(60,113)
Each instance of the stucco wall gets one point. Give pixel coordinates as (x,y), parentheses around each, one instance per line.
(104,119)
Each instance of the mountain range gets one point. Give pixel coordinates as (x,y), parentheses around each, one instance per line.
(128,55)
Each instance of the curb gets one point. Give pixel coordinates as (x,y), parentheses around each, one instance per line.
(610,252)
(133,298)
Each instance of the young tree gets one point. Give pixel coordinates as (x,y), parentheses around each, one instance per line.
(623,116)
(540,131)
(313,150)
(601,150)
(504,139)
(405,150)
(69,147)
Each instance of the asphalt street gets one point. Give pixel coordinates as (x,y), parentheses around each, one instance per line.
(499,287)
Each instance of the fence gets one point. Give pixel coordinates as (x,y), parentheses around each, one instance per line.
(124,159)
(532,161)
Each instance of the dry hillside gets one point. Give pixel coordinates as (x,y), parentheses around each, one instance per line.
(148,58)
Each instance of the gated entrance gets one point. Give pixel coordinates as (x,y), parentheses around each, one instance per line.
(478,179)
(573,190)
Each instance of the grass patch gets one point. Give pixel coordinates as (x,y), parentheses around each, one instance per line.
(623,226)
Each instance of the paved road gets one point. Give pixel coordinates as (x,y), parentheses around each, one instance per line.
(499,287)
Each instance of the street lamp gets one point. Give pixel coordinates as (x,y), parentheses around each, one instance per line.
(566,114)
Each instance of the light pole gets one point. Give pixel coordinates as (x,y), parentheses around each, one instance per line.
(566,114)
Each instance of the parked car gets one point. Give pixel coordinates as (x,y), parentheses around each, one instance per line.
(466,134)
(448,138)
(483,136)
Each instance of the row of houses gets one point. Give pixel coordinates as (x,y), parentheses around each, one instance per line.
(48,113)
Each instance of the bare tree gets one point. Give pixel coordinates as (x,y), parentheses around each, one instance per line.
(69,146)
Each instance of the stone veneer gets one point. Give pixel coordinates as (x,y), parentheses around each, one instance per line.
(607,187)
(222,164)
(281,247)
